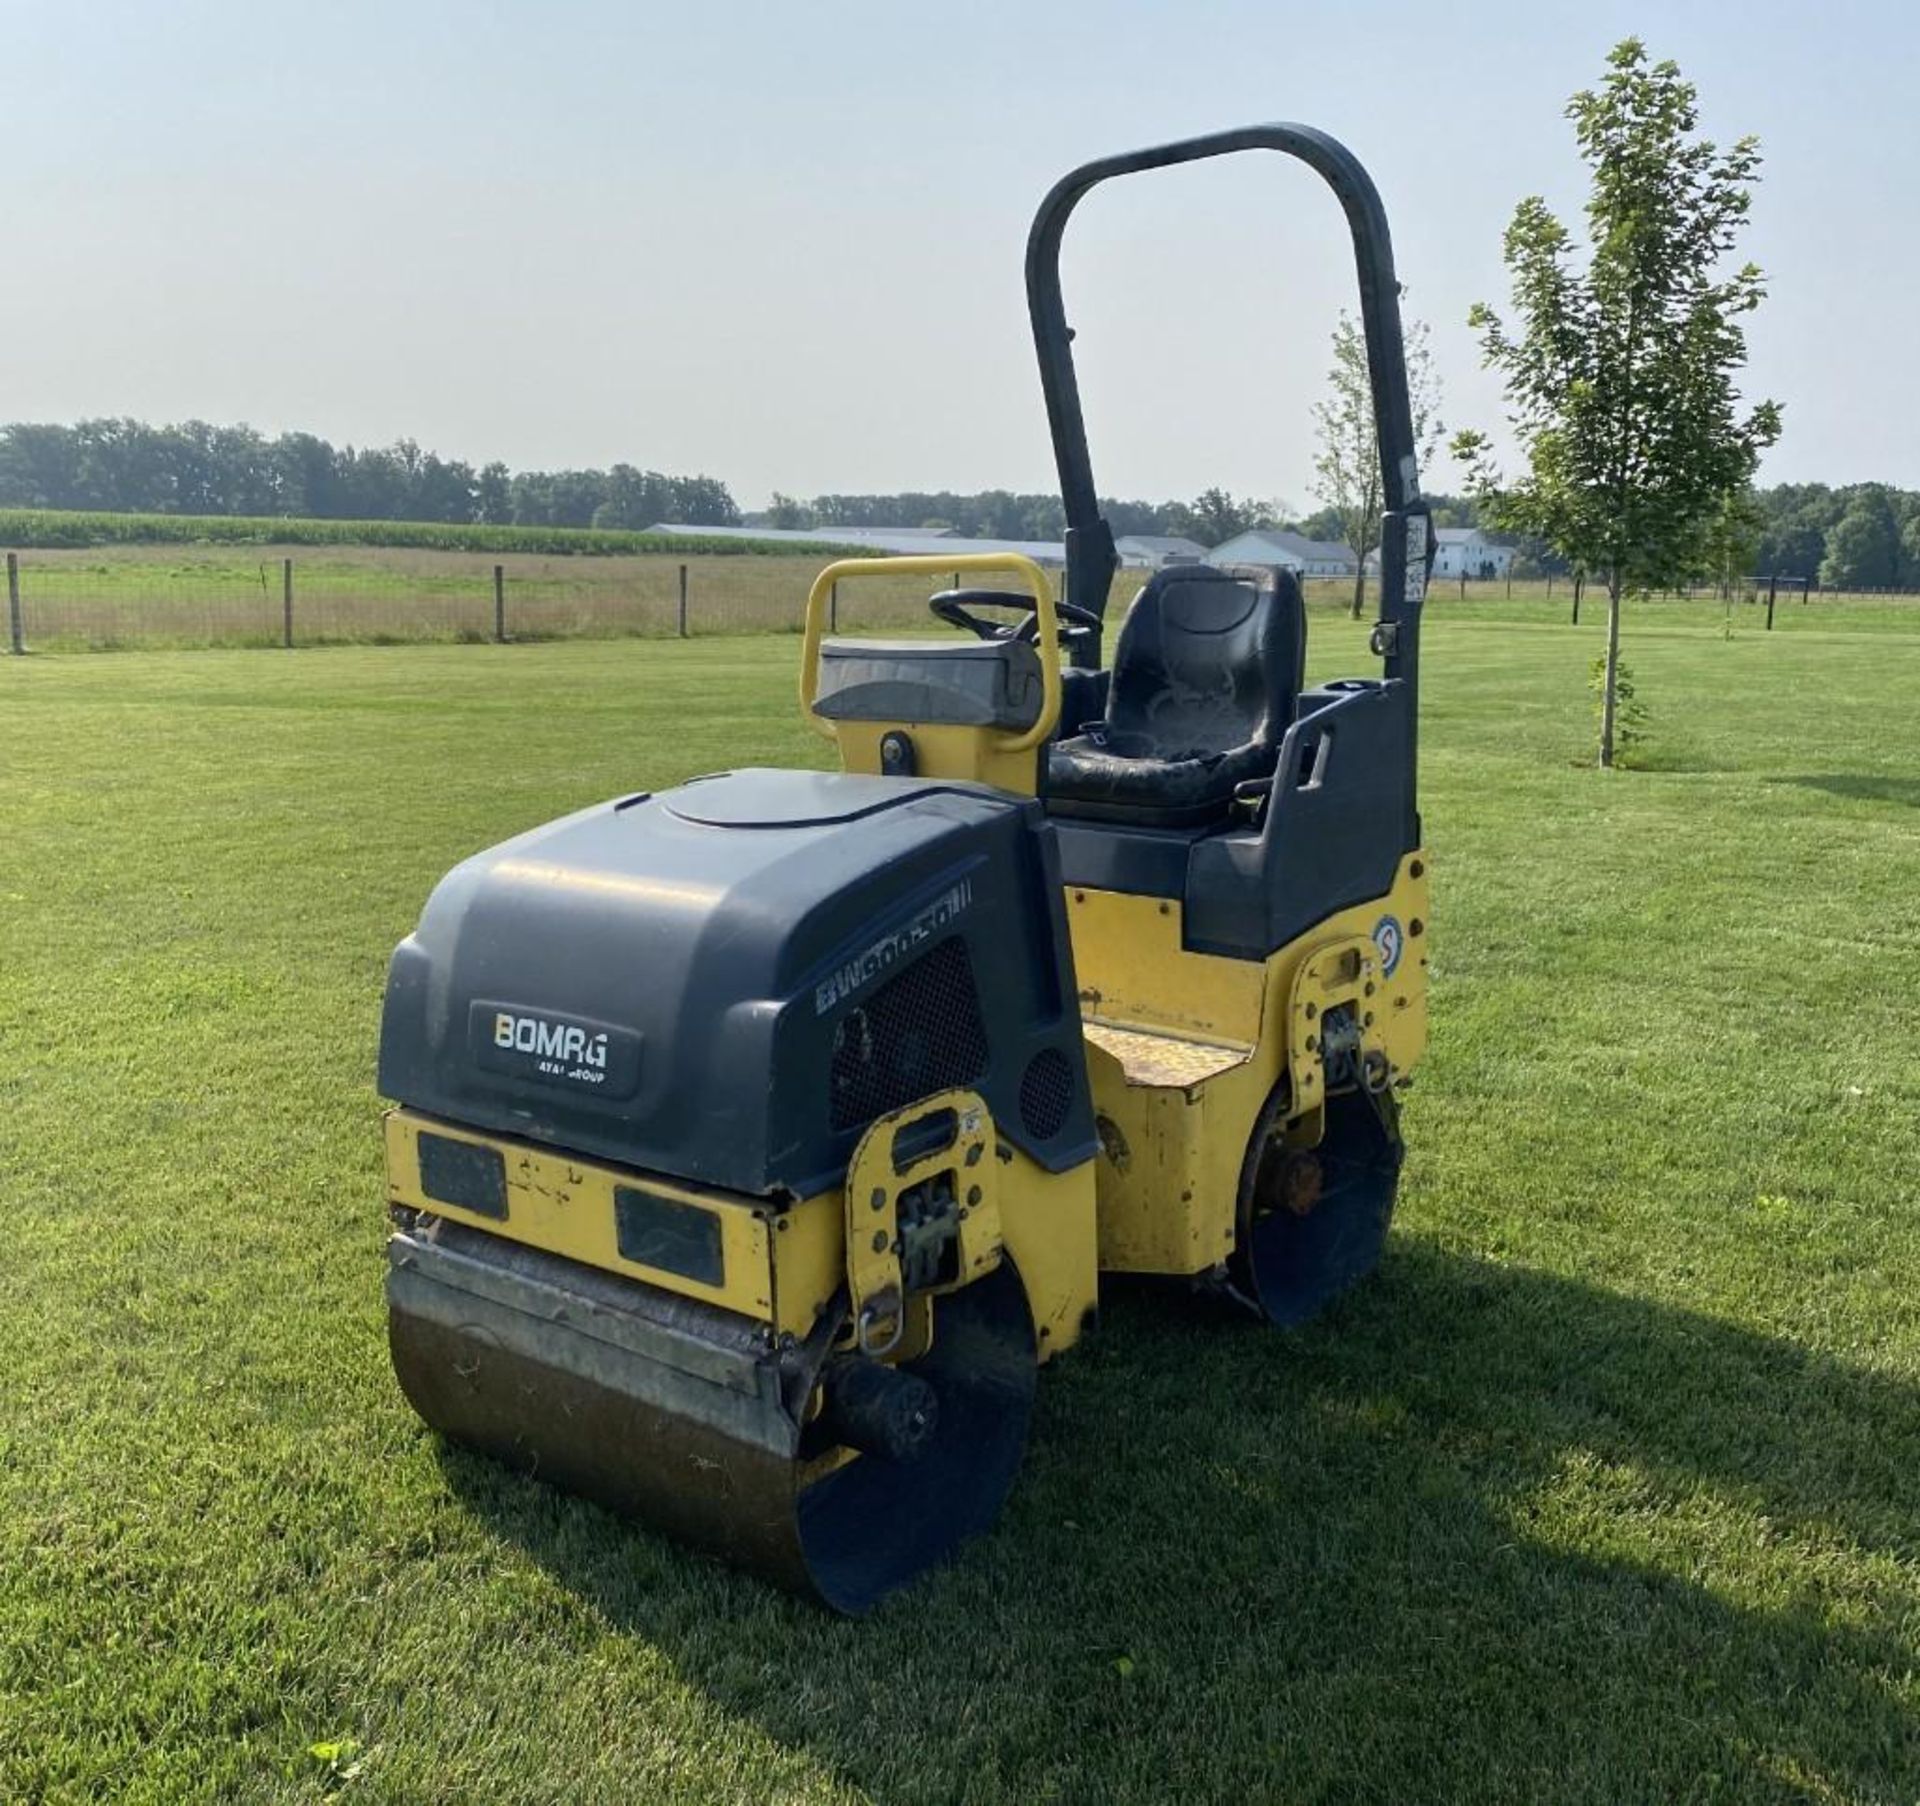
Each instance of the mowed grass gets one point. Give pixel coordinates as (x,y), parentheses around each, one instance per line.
(1607,1488)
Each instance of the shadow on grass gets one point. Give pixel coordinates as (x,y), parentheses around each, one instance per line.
(1861,786)
(1435,1547)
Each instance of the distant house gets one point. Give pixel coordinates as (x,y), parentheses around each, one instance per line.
(1290,551)
(1467,552)
(1154,551)
(1460,551)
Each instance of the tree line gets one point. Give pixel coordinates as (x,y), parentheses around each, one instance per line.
(1211,517)
(126,466)
(1859,536)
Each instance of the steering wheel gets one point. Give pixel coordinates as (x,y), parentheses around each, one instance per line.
(955,607)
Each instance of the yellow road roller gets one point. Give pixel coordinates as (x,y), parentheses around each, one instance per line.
(757,1141)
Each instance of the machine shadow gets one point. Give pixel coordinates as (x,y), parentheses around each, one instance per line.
(1861,787)
(1392,1556)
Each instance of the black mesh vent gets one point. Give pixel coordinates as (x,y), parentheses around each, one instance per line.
(920,1032)
(1046,1094)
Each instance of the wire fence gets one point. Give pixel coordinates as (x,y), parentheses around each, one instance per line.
(172,596)
(162,596)
(1769,599)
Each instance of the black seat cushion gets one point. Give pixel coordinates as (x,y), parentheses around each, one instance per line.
(1206,674)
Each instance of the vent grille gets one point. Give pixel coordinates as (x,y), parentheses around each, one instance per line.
(1046,1094)
(919,1032)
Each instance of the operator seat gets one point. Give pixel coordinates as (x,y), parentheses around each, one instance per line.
(1207,672)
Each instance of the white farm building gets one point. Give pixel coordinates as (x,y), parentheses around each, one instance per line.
(1467,552)
(1288,551)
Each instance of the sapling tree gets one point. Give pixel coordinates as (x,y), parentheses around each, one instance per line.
(1346,469)
(1620,364)
(1730,541)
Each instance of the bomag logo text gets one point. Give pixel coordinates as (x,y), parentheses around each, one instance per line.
(890,949)
(561,1042)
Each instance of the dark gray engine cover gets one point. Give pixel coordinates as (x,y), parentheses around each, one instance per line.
(727,980)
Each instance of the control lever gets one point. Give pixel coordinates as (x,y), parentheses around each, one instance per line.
(1250,800)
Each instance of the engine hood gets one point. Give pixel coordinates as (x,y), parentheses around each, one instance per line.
(727,980)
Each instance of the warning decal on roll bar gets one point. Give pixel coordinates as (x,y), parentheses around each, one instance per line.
(1416,557)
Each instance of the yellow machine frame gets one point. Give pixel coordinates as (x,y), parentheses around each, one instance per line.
(1185,1053)
(1184,1049)
(783,1262)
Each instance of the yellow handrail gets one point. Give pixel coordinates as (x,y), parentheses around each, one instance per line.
(1048,645)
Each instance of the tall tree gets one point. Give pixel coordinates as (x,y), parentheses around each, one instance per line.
(1346,469)
(1215,516)
(788,514)
(1798,518)
(633,499)
(705,501)
(1910,550)
(306,476)
(493,495)
(444,489)
(1863,545)
(1620,370)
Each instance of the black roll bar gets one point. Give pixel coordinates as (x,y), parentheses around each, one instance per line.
(1406,530)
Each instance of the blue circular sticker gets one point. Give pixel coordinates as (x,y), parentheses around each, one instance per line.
(1387,937)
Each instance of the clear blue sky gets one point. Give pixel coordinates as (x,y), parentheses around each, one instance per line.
(781,243)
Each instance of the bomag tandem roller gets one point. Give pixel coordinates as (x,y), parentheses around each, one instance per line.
(758,1140)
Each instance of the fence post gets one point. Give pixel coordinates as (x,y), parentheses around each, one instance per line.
(500,604)
(1579,583)
(683,601)
(833,607)
(1549,586)
(16,632)
(1509,583)
(1773,589)
(286,602)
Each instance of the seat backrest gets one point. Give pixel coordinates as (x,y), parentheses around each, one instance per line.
(1208,659)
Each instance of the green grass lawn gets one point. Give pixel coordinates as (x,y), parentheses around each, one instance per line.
(1607,1488)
